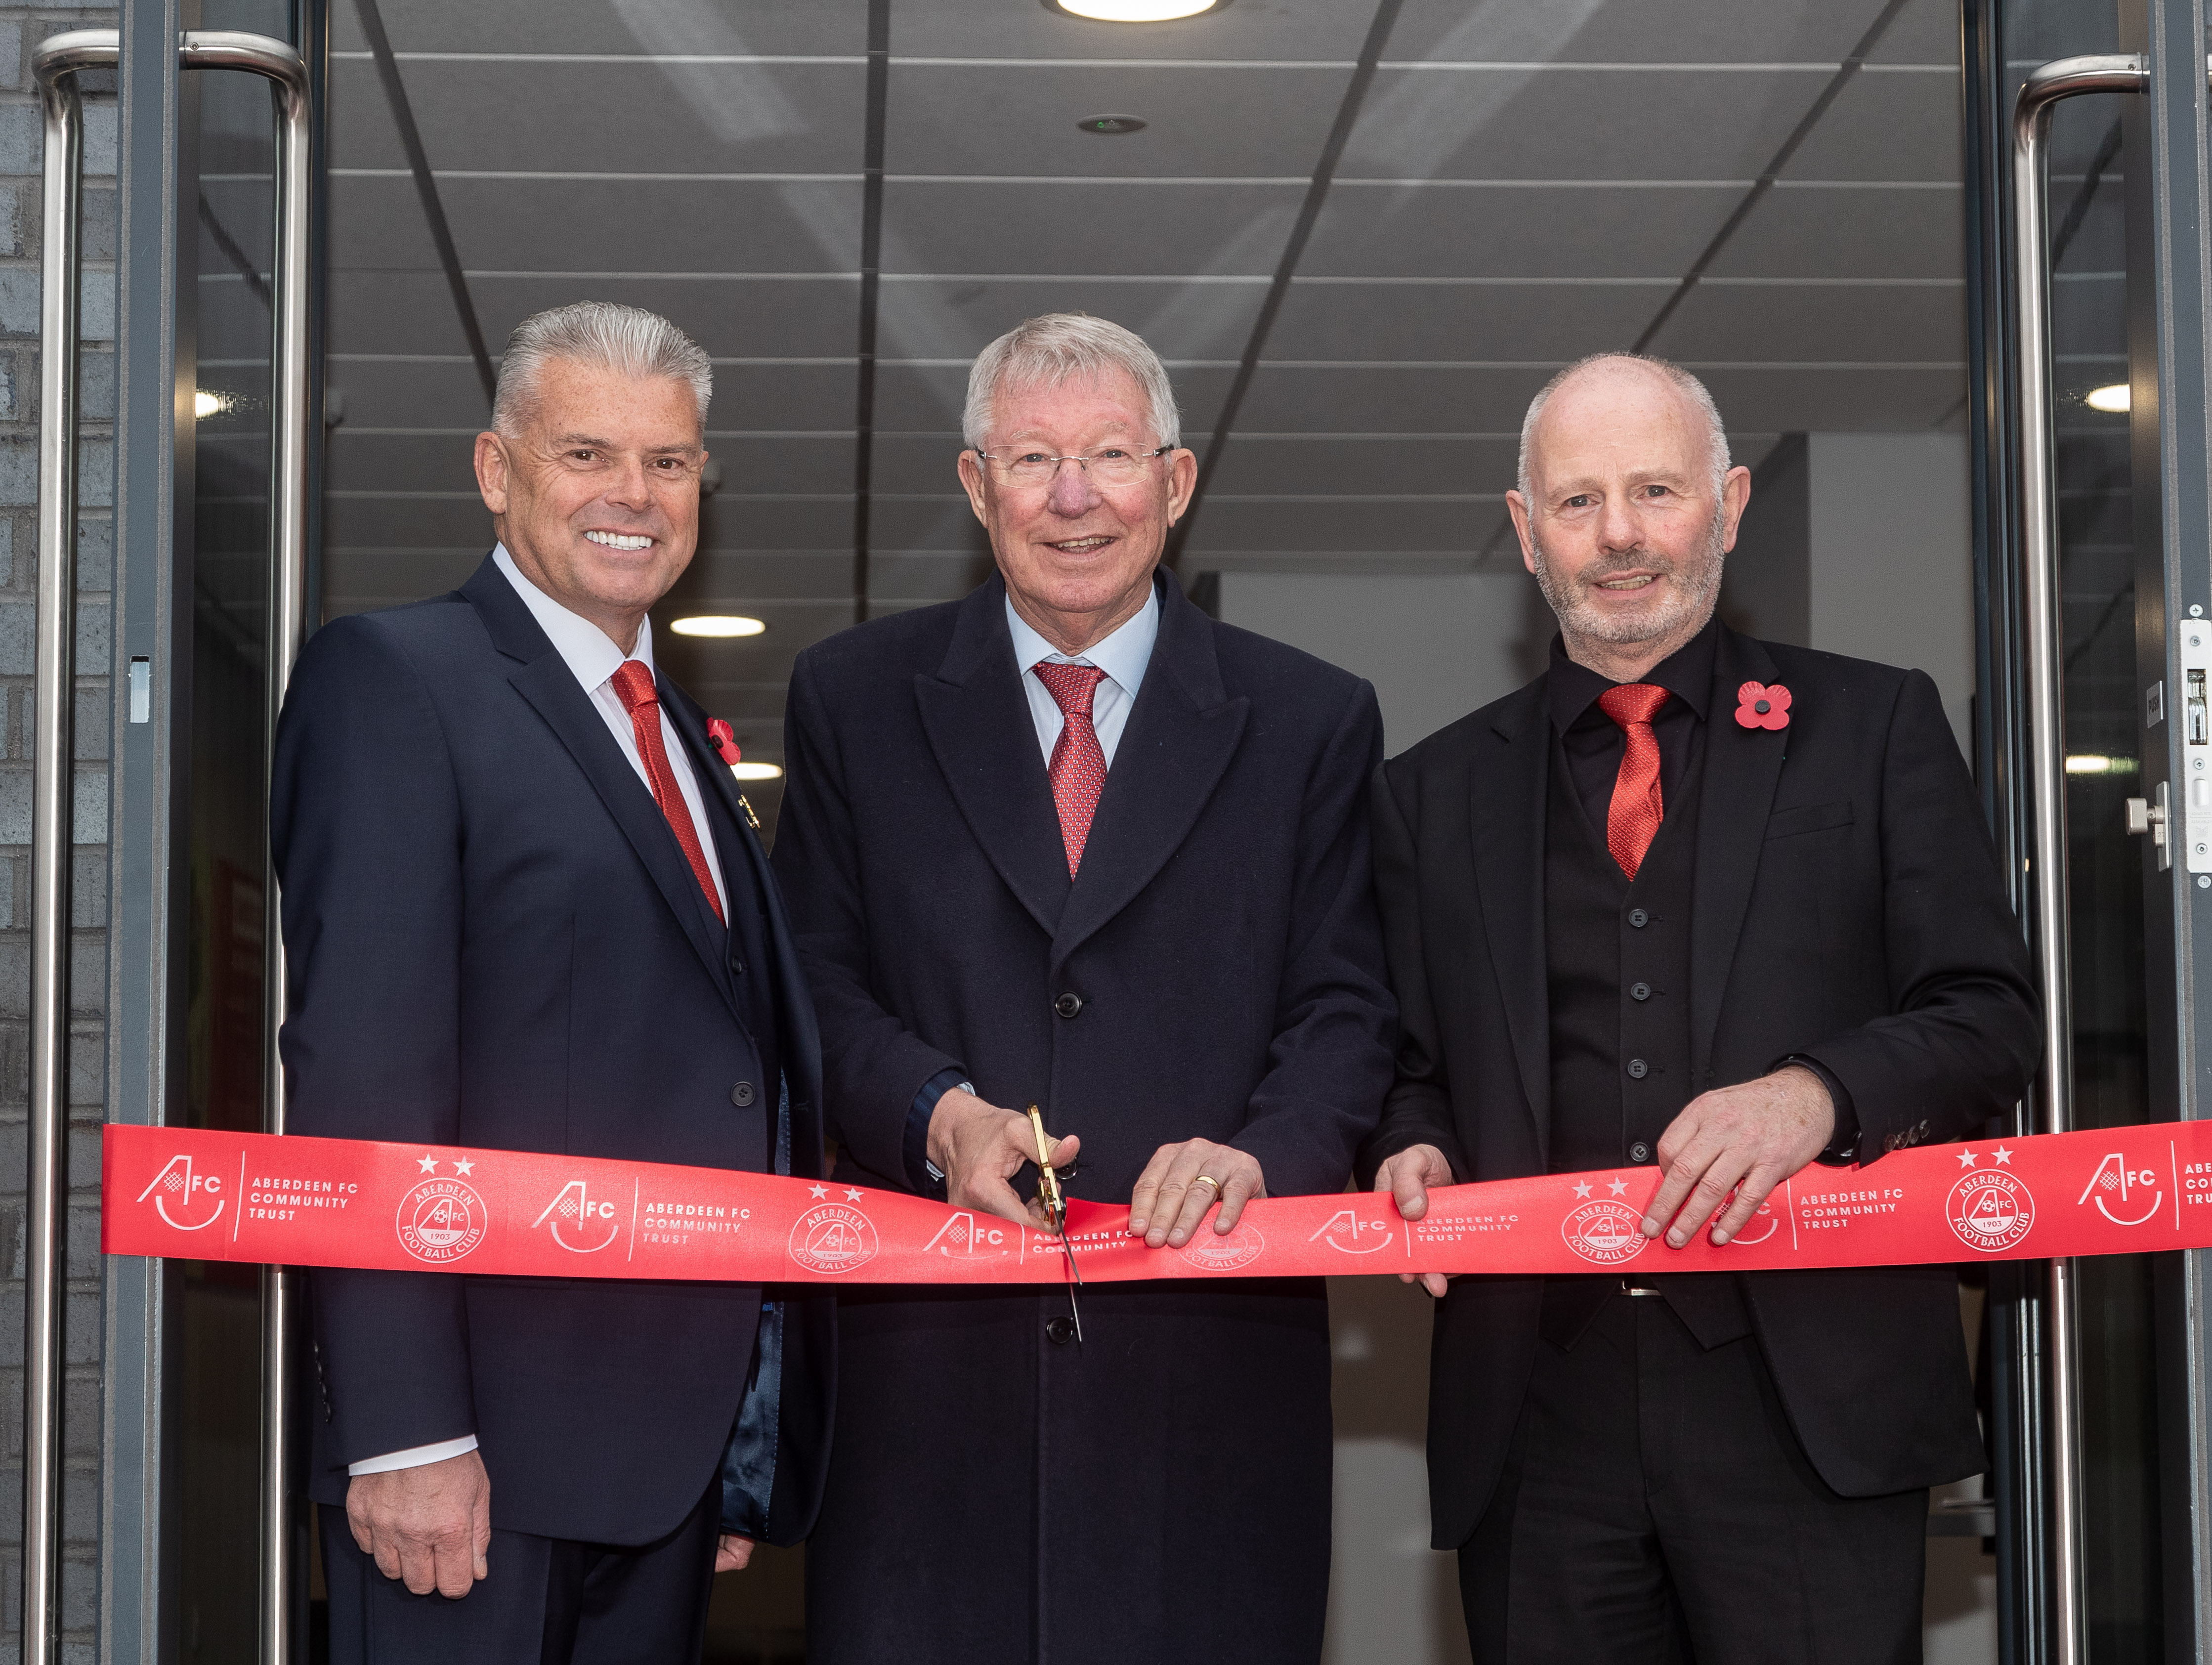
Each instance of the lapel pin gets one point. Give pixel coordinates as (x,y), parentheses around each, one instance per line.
(1763,705)
(724,739)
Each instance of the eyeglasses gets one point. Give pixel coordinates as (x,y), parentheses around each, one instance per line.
(1113,466)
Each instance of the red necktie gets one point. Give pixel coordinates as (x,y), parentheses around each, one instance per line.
(1633,820)
(1079,762)
(634,685)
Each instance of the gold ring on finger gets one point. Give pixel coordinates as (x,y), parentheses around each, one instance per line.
(1207,1179)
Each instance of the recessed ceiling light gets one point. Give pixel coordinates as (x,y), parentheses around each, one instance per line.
(206,404)
(1134,11)
(2097,763)
(757,771)
(717,625)
(2114,397)
(1111,125)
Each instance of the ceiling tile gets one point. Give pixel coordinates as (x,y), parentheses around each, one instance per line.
(1629,31)
(1248,29)
(1817,322)
(1516,231)
(1885,125)
(1455,321)
(612,25)
(1082,227)
(1850,231)
(957,318)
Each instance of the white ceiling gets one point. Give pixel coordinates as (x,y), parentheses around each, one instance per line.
(1527,181)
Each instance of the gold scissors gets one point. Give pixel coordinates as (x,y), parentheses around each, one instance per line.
(1056,1210)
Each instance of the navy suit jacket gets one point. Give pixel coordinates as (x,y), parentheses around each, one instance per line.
(494,940)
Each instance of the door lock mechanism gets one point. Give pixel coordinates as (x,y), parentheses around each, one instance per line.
(2147,815)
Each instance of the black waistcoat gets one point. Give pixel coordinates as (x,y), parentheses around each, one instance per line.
(1617,967)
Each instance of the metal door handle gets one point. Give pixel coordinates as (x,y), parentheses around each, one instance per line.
(55,65)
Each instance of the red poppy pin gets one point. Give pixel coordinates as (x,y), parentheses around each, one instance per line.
(1763,705)
(724,739)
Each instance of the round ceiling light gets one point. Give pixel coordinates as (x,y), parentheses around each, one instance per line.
(717,625)
(757,771)
(1134,11)
(1110,124)
(2114,397)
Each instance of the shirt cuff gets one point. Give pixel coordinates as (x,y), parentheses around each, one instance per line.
(923,1177)
(1844,1147)
(414,1457)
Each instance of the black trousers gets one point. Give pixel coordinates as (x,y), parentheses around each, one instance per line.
(1657,1509)
(547,1601)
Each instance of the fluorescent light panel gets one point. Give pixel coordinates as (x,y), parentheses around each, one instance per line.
(717,625)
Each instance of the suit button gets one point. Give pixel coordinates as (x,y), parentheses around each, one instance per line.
(1639,1151)
(1067,1005)
(1060,1331)
(1638,918)
(736,966)
(1639,991)
(1637,1069)
(742,1094)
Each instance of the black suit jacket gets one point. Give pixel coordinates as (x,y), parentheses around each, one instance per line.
(494,940)
(1847,907)
(1222,941)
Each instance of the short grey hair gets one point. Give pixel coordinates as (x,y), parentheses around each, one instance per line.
(601,333)
(1675,377)
(1062,347)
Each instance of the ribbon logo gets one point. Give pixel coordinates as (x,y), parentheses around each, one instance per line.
(441,1220)
(575,1210)
(961,1237)
(2116,1180)
(833,1238)
(1216,1251)
(178,1183)
(1341,1231)
(1607,1231)
(1990,1211)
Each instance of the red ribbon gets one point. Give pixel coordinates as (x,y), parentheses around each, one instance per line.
(194,1194)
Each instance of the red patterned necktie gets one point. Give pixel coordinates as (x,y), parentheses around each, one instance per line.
(1632,821)
(1079,762)
(634,685)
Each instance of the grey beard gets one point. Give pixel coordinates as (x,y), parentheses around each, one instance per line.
(1684,604)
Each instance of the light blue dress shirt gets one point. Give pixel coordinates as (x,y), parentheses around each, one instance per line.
(1122,656)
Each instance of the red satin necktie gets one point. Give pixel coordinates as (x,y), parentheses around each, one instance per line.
(1079,761)
(634,685)
(1632,821)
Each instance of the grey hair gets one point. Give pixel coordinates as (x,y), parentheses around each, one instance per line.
(1061,347)
(601,333)
(1675,377)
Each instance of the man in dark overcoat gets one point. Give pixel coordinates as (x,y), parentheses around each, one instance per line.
(1070,842)
(1722,908)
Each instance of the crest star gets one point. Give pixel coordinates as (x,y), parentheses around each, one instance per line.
(1965,1158)
(1583,1188)
(852,1196)
(429,1164)
(1618,1187)
(465,1167)
(2004,1157)
(818,1190)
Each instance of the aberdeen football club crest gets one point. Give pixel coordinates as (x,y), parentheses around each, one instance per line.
(1219,1251)
(833,1238)
(441,1220)
(1991,1209)
(1607,1231)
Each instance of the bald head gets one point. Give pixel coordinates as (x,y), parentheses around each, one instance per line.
(1626,507)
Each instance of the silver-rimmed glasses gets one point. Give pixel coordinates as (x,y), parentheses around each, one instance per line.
(1112,466)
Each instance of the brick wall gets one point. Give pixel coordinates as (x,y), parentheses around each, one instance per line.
(20,151)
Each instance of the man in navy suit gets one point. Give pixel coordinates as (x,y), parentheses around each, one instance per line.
(1070,842)
(524,911)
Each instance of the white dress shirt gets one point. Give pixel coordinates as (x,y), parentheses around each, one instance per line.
(593,659)
(1122,656)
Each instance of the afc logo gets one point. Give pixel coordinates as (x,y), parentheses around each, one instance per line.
(963,1236)
(1342,1231)
(2115,1182)
(177,1182)
(577,1215)
(1990,1211)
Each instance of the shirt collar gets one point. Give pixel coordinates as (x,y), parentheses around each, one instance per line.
(591,656)
(1571,689)
(1122,655)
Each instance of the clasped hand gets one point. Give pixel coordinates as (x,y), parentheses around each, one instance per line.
(979,1148)
(1723,1155)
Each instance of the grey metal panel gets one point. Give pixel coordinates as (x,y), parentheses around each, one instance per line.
(594,26)
(1637,30)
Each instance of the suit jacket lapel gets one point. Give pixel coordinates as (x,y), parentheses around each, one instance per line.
(1505,817)
(1742,768)
(544,680)
(1179,737)
(978,721)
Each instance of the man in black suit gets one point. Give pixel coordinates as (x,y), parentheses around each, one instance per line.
(1070,842)
(524,911)
(1728,908)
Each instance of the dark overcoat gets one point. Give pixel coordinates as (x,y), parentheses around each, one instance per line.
(494,940)
(1847,907)
(1161,1490)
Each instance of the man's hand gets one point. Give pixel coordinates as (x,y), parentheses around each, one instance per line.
(732,1553)
(427,1526)
(1407,1176)
(1170,1201)
(979,1148)
(1746,1139)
